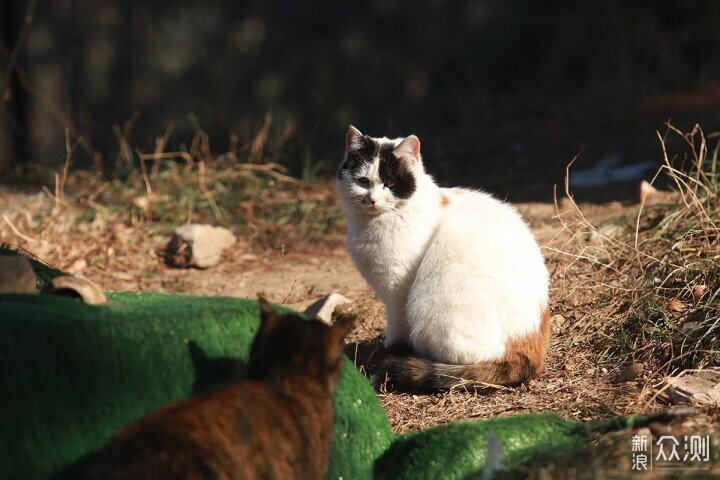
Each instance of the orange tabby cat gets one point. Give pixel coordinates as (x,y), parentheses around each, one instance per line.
(277,424)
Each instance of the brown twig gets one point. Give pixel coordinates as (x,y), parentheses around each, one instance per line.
(258,143)
(17,232)
(206,193)
(160,143)
(146,180)
(123,136)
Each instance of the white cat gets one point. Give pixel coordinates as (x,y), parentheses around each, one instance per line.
(462,278)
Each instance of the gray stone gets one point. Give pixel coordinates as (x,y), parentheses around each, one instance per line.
(629,373)
(688,326)
(695,386)
(78,287)
(197,245)
(650,195)
(607,231)
(16,275)
(323,309)
(558,323)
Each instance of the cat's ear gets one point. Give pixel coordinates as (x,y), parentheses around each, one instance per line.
(353,138)
(334,337)
(342,326)
(268,316)
(408,148)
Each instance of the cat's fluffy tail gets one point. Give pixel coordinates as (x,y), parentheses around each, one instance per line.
(415,374)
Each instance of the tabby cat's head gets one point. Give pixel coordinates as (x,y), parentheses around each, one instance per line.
(288,344)
(378,174)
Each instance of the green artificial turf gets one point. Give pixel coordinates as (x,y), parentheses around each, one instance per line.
(459,450)
(72,374)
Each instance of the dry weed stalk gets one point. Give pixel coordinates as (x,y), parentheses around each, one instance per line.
(125,156)
(657,281)
(258,144)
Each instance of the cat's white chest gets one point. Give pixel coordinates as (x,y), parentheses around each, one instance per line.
(387,252)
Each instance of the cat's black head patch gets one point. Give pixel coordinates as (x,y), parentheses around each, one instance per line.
(357,158)
(394,173)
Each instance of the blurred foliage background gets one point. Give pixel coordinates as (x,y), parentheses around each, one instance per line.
(499,90)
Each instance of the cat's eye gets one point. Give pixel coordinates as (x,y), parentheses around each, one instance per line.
(389,184)
(364,181)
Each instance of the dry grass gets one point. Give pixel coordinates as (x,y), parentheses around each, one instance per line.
(655,273)
(129,216)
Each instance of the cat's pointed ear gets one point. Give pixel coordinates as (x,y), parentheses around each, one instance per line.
(353,138)
(197,354)
(408,148)
(342,326)
(268,316)
(335,336)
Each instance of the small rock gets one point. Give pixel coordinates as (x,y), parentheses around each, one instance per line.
(695,386)
(688,326)
(77,287)
(16,275)
(647,191)
(606,231)
(557,323)
(196,245)
(323,309)
(650,195)
(629,373)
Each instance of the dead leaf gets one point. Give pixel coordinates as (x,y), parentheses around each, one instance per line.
(698,292)
(675,305)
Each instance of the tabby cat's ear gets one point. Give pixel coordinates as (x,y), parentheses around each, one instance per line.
(342,326)
(334,338)
(408,148)
(353,138)
(268,316)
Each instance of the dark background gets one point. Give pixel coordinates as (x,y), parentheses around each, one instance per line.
(501,93)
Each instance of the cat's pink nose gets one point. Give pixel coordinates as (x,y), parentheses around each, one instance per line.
(373,200)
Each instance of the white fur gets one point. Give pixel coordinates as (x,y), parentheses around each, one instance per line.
(457,282)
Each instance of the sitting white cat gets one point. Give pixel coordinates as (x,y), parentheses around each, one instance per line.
(462,278)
